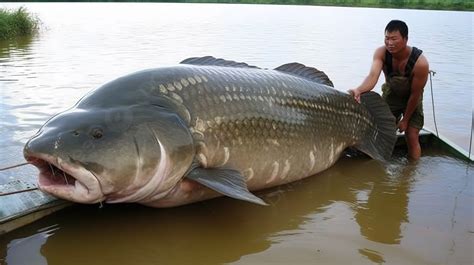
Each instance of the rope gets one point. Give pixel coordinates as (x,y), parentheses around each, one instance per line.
(432,103)
(472,129)
(17,191)
(14,166)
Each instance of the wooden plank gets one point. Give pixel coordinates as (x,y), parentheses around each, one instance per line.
(22,203)
(34,214)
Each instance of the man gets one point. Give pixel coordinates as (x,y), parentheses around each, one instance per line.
(406,71)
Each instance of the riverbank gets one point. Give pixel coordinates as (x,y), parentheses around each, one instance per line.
(402,4)
(19,22)
(458,5)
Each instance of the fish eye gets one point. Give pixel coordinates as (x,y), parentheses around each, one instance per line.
(75,133)
(97,133)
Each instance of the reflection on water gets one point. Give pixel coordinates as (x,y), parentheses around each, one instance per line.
(28,250)
(18,46)
(378,222)
(357,211)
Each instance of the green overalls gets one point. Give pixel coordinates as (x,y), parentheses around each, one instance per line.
(396,90)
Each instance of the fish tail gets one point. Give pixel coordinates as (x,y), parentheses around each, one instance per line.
(380,143)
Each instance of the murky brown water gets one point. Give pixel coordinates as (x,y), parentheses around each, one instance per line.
(357,212)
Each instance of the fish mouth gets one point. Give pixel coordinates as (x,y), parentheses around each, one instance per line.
(66,180)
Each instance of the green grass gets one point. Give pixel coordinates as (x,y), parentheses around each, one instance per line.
(19,22)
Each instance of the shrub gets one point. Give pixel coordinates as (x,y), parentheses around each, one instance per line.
(17,23)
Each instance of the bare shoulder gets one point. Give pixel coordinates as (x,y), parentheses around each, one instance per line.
(380,53)
(421,66)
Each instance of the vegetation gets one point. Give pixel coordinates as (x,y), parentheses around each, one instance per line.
(15,23)
(467,5)
(415,4)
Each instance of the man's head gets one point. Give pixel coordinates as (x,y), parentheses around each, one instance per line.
(396,36)
(397,25)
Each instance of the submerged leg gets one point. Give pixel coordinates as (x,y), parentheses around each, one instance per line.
(413,143)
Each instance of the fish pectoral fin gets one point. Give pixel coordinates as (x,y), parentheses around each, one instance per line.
(226,181)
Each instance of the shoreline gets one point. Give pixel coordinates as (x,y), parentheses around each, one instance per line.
(447,5)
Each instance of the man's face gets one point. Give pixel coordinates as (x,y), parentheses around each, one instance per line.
(394,42)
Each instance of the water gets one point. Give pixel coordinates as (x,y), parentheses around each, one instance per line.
(357,212)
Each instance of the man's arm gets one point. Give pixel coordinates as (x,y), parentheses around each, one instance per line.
(371,80)
(420,76)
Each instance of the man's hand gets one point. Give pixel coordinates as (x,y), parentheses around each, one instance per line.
(355,93)
(402,125)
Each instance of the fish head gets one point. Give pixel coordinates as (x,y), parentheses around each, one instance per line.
(108,154)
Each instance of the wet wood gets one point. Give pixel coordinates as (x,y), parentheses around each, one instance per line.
(22,203)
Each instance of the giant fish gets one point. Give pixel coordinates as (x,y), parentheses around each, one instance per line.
(204,128)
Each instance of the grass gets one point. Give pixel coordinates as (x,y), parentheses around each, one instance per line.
(19,22)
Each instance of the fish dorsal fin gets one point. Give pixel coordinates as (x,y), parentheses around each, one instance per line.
(310,73)
(211,61)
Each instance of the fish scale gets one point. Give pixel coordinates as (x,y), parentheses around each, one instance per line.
(299,120)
